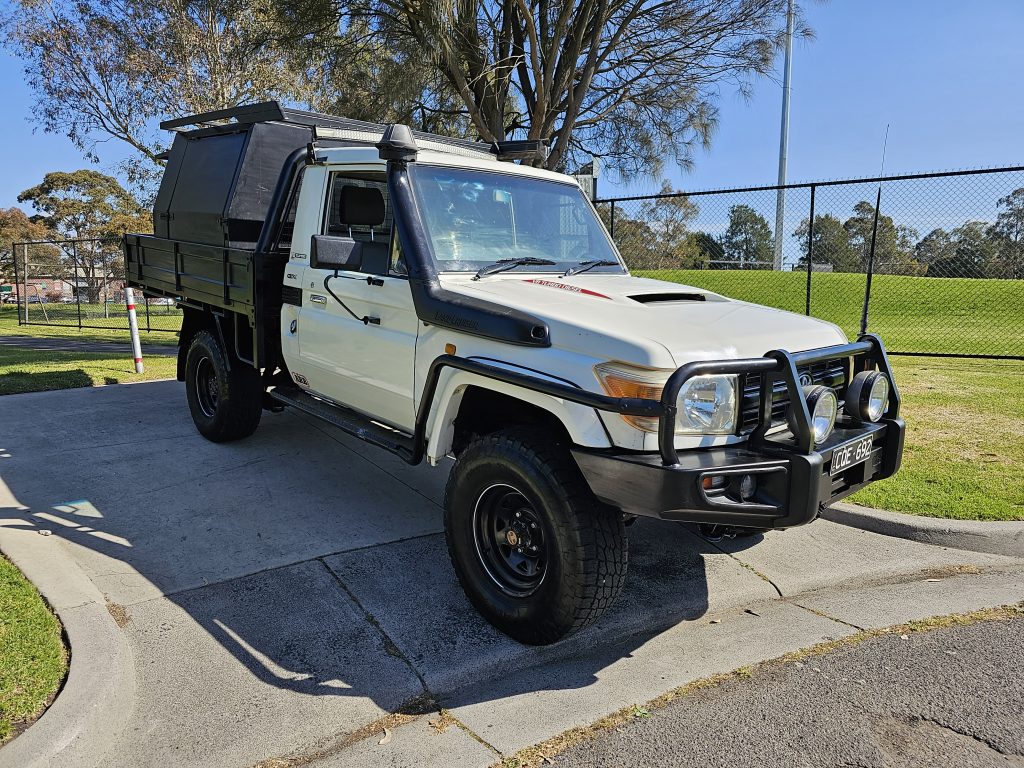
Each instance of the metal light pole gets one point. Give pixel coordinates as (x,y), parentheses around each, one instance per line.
(780,203)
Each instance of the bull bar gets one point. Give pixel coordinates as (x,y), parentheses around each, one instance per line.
(867,353)
(793,475)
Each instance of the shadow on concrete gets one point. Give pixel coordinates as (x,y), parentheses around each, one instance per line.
(77,344)
(312,560)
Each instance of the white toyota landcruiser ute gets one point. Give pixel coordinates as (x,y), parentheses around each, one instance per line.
(436,300)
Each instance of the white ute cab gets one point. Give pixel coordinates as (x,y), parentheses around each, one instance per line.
(440,302)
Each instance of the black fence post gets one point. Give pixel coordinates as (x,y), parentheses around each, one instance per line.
(25,255)
(810,250)
(17,281)
(871,264)
(74,284)
(611,222)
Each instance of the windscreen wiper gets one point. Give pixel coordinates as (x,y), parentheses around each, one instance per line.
(583,266)
(503,264)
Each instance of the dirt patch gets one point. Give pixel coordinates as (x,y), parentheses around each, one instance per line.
(947,571)
(122,617)
(410,711)
(443,721)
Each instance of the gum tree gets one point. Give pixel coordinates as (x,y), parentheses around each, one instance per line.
(107,69)
(633,81)
(1008,234)
(92,207)
(748,240)
(17,227)
(830,244)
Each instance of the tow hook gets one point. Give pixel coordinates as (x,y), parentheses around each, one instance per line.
(714,532)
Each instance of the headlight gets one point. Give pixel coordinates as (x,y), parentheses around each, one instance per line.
(867,397)
(706,405)
(823,407)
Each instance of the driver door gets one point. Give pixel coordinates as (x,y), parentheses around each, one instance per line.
(364,365)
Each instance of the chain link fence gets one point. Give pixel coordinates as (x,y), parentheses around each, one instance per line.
(932,262)
(79,284)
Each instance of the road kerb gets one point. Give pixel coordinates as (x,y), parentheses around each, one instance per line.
(997,538)
(98,695)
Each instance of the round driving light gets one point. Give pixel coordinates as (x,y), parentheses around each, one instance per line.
(878,399)
(823,407)
(867,398)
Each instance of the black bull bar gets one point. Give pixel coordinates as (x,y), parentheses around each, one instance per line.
(866,354)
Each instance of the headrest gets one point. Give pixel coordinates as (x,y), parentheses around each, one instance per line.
(361,206)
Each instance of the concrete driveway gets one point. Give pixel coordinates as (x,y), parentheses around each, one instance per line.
(281,593)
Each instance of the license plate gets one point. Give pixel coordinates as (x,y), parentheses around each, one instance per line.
(853,452)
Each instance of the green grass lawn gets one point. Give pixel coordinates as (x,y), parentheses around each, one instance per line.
(25,370)
(33,660)
(164,324)
(965,441)
(965,418)
(912,314)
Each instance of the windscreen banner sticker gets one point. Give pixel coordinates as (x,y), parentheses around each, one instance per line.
(567,287)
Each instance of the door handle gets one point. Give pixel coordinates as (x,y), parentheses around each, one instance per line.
(316,298)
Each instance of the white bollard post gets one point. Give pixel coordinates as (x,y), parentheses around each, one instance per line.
(133,326)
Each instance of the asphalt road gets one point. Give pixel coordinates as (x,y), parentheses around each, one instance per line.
(947,697)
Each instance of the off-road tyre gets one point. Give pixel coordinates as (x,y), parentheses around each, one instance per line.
(584,542)
(226,404)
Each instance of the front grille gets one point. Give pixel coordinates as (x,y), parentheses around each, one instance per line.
(829,373)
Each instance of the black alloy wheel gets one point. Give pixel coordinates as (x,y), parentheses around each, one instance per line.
(538,556)
(225,395)
(207,387)
(510,540)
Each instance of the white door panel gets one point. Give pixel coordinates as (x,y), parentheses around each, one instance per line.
(368,367)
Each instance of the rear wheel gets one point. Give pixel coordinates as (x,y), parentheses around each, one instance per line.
(226,402)
(536,553)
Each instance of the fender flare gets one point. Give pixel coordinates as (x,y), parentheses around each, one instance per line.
(581,422)
(193,321)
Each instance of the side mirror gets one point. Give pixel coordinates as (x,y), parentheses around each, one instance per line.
(331,252)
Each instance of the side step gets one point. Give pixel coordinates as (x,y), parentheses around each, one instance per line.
(347,420)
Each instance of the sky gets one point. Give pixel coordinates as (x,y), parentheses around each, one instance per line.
(944,75)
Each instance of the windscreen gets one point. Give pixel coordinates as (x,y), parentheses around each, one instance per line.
(478,218)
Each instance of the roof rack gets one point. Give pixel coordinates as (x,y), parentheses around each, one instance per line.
(324,126)
(247,113)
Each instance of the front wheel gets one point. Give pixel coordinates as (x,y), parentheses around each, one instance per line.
(226,400)
(537,555)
